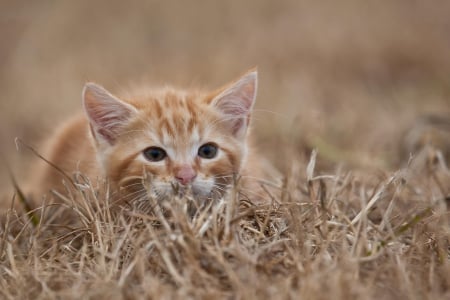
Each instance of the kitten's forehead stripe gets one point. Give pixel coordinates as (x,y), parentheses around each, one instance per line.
(158,108)
(165,126)
(179,122)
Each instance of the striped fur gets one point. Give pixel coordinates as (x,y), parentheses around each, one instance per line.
(109,143)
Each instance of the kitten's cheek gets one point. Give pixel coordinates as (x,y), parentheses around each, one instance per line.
(160,189)
(203,187)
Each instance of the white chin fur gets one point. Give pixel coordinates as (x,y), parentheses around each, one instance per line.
(198,189)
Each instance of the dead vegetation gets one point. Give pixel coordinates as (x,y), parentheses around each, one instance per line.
(359,220)
(339,235)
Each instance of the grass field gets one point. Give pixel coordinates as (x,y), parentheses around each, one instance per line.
(364,83)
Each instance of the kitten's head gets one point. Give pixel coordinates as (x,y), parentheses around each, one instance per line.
(170,141)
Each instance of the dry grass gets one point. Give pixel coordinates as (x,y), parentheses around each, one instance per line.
(347,78)
(342,235)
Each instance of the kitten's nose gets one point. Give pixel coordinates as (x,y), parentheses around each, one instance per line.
(185,174)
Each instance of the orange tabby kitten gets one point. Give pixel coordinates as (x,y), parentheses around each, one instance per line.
(160,143)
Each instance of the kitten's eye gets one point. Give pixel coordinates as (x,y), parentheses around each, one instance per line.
(208,150)
(154,154)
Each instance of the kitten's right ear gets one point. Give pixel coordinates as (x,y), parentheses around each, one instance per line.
(106,113)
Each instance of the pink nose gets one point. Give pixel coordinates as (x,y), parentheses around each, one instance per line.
(185,174)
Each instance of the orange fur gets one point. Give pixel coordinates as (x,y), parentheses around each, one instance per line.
(109,143)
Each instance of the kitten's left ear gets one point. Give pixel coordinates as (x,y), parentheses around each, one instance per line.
(236,101)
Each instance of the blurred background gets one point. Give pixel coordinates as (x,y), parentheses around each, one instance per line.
(346,77)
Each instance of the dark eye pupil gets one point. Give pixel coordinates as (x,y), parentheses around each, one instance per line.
(207,151)
(154,154)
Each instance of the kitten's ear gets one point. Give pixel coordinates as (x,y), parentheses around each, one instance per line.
(236,102)
(106,113)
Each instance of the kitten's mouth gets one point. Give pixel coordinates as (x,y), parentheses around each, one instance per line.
(181,190)
(166,190)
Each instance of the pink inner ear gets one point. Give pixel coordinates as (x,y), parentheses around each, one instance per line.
(237,100)
(111,126)
(106,113)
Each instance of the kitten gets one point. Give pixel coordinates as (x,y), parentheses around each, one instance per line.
(160,143)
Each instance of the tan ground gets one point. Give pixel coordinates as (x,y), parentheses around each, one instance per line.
(349,79)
